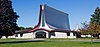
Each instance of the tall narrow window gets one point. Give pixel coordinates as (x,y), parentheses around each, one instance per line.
(43,22)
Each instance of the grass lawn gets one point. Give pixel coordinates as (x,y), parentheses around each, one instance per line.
(47,43)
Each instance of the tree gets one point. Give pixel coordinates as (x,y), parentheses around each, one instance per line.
(94,29)
(84,28)
(29,28)
(89,29)
(8,18)
(22,28)
(95,22)
(96,16)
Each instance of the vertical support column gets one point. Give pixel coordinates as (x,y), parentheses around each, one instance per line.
(47,35)
(34,34)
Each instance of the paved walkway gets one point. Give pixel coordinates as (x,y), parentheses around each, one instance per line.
(79,40)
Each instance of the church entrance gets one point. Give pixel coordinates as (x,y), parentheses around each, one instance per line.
(40,34)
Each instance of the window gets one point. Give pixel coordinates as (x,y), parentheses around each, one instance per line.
(74,34)
(68,33)
(43,22)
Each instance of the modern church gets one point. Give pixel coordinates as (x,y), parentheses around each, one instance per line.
(52,23)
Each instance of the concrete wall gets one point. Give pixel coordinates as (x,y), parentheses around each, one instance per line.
(27,35)
(85,35)
(62,35)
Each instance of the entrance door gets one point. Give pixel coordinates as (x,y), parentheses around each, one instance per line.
(41,34)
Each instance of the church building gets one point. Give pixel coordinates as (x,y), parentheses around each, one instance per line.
(52,23)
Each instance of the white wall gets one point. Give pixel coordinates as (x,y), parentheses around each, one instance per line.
(62,35)
(85,35)
(27,35)
(32,35)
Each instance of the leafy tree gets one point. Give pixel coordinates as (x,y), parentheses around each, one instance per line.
(8,18)
(94,29)
(22,28)
(90,29)
(29,28)
(84,28)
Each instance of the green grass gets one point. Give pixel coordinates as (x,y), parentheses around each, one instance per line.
(47,43)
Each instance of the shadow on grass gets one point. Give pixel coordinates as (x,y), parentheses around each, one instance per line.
(91,42)
(23,41)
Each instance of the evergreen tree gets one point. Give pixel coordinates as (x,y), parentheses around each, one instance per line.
(8,18)
(96,16)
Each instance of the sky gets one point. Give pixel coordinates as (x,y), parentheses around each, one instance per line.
(79,10)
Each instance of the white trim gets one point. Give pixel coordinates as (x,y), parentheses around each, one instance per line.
(42,14)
